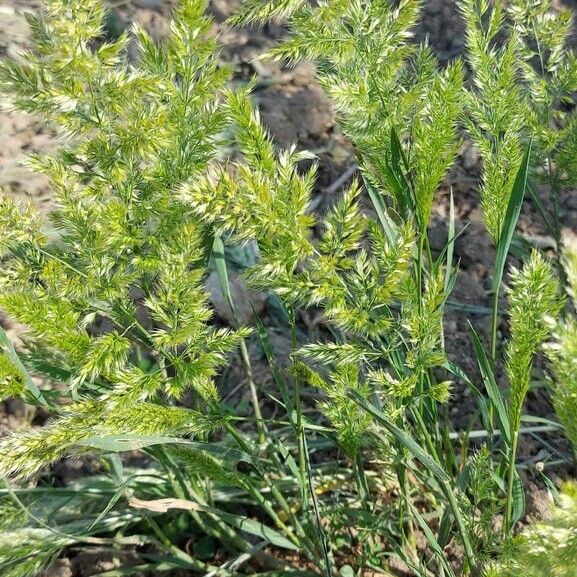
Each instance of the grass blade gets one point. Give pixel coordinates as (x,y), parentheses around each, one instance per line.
(403,438)
(240,522)
(8,349)
(254,528)
(395,177)
(449,273)
(123,443)
(506,236)
(511,217)
(493,391)
(222,272)
(275,368)
(518,509)
(381,210)
(431,539)
(545,215)
(410,444)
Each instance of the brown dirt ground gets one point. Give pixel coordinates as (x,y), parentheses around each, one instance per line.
(295,109)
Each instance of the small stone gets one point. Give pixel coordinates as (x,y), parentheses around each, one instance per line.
(149,4)
(60,568)
(247,302)
(438,232)
(470,158)
(89,562)
(297,114)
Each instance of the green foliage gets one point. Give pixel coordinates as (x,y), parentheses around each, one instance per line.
(122,248)
(266,199)
(123,242)
(380,84)
(28,551)
(11,379)
(545,38)
(496,107)
(546,548)
(562,350)
(262,12)
(481,504)
(534,297)
(110,289)
(24,453)
(523,77)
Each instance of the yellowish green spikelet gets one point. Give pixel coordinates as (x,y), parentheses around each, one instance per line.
(545,33)
(110,287)
(523,74)
(423,324)
(496,107)
(11,379)
(569,259)
(562,353)
(24,453)
(562,349)
(381,85)
(24,552)
(258,12)
(534,299)
(356,272)
(547,548)
(348,420)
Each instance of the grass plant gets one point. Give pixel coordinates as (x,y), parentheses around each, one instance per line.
(165,170)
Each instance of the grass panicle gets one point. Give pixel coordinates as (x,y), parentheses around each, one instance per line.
(327,456)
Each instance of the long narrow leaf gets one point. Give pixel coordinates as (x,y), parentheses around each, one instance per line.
(222,272)
(9,350)
(450,245)
(431,539)
(406,441)
(276,370)
(518,500)
(511,218)
(381,210)
(493,391)
(396,177)
(243,523)
(123,443)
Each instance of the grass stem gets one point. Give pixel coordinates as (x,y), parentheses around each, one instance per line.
(511,472)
